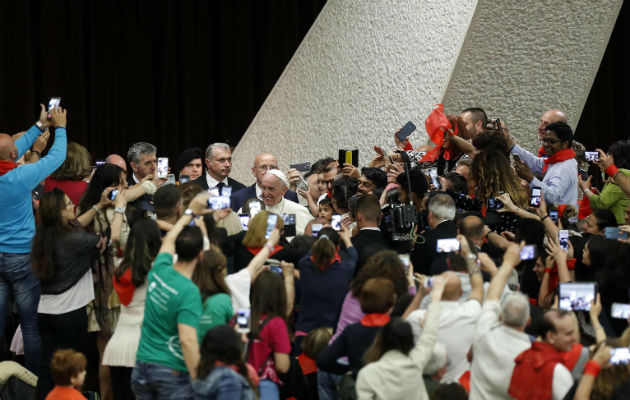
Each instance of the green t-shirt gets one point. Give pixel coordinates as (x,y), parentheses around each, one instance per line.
(171,299)
(217,310)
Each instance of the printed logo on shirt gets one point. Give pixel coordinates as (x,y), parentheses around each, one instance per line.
(175,347)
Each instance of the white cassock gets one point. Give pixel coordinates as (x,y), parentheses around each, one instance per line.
(302,215)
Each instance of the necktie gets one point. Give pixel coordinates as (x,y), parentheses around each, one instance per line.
(220,186)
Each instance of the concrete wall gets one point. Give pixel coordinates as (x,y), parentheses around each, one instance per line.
(368,66)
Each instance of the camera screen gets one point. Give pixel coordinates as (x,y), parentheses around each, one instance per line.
(276,269)
(54,102)
(576,296)
(620,355)
(244,220)
(219,202)
(591,156)
(162,167)
(611,232)
(271,224)
(528,252)
(254,208)
(289,219)
(621,311)
(494,204)
(242,318)
(447,245)
(315,228)
(563,239)
(336,222)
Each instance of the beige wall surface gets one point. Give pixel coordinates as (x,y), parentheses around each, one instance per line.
(366,67)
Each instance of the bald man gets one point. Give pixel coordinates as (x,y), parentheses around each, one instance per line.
(457,318)
(115,159)
(548,117)
(17,226)
(263,163)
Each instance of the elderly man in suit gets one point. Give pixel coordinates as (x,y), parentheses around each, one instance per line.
(263,163)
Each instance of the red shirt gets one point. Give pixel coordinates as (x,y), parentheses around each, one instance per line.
(274,338)
(532,377)
(64,393)
(73,189)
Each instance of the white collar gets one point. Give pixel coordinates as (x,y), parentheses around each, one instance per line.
(371,228)
(258,191)
(133,176)
(213,182)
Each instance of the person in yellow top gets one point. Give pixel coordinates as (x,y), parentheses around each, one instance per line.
(612,196)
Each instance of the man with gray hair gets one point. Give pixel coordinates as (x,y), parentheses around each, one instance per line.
(143,161)
(219,163)
(274,185)
(441,214)
(500,335)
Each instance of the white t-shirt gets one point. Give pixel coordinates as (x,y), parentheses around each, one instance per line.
(72,299)
(456,331)
(239,284)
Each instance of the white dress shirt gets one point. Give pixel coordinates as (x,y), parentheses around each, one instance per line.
(559,184)
(213,182)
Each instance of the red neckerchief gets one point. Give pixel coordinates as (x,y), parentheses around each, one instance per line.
(6,166)
(464,380)
(408,147)
(436,125)
(572,356)
(335,259)
(585,208)
(256,250)
(124,287)
(561,208)
(541,151)
(533,373)
(307,364)
(375,319)
(562,155)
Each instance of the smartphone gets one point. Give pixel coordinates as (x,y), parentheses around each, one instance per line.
(494,204)
(563,239)
(162,167)
(576,295)
(315,228)
(243,322)
(272,220)
(447,245)
(226,191)
(183,179)
(528,252)
(583,174)
(535,200)
(349,157)
(113,194)
(99,163)
(612,232)
(405,131)
(554,216)
(592,156)
(619,310)
(301,167)
(434,178)
(336,222)
(170,179)
(404,258)
(218,202)
(254,208)
(620,355)
(276,269)
(244,218)
(428,283)
(53,103)
(289,224)
(517,158)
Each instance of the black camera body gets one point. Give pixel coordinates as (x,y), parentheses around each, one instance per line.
(398,222)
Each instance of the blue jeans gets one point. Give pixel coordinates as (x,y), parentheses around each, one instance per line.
(268,390)
(327,385)
(17,278)
(158,382)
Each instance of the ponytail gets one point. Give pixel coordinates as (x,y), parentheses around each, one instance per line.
(323,251)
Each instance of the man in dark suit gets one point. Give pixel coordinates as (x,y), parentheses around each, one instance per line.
(143,161)
(263,163)
(441,214)
(219,163)
(370,239)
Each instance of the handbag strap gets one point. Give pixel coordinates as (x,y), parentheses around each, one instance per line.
(251,339)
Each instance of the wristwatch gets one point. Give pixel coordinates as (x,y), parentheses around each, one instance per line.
(119,210)
(41,127)
(190,212)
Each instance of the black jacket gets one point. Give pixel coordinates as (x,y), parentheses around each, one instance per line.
(367,242)
(201,181)
(425,251)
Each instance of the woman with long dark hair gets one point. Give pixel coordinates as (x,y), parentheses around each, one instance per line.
(130,277)
(62,258)
(269,347)
(222,374)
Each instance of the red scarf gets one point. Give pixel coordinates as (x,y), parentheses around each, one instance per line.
(560,156)
(307,364)
(335,259)
(375,319)
(124,287)
(6,166)
(541,151)
(533,373)
(436,125)
(256,250)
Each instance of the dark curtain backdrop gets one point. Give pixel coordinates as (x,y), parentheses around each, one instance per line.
(192,72)
(173,73)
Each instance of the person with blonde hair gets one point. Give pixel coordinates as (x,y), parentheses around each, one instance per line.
(72,174)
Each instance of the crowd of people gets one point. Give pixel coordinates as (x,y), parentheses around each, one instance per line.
(440,271)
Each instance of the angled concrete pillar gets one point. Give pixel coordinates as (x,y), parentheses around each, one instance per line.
(367,67)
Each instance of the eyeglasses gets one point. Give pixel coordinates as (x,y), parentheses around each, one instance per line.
(266,167)
(550,140)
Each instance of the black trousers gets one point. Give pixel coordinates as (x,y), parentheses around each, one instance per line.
(121,383)
(62,331)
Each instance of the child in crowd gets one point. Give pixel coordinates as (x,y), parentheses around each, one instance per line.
(68,370)
(326,208)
